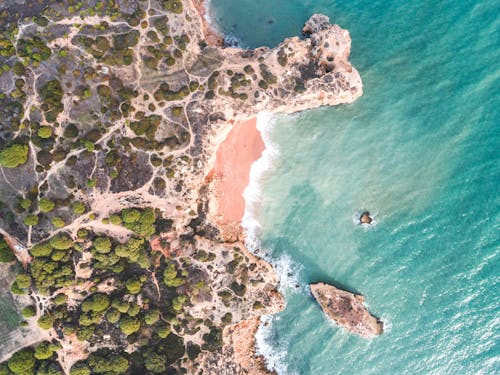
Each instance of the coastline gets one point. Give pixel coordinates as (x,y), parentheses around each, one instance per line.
(229,178)
(230,175)
(212,35)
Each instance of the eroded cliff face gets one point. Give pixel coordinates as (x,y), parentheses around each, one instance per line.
(347,310)
(121,109)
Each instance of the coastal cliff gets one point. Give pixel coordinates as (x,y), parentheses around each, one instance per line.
(114,119)
(347,310)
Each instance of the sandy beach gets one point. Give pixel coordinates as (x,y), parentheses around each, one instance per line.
(231,174)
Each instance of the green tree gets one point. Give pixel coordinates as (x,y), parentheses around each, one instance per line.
(163,331)
(102,245)
(80,369)
(22,362)
(29,312)
(45,321)
(14,155)
(129,325)
(61,242)
(99,302)
(155,362)
(44,350)
(152,316)
(46,205)
(6,253)
(133,285)
(41,250)
(23,281)
(113,315)
(25,203)
(57,222)
(45,132)
(31,220)
(78,208)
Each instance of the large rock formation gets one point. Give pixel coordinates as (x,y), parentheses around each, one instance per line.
(347,310)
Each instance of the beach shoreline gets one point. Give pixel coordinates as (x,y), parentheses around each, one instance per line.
(230,176)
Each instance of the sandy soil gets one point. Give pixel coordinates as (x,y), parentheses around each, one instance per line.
(231,173)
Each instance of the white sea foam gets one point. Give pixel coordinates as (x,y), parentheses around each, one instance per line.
(265,346)
(287,270)
(258,171)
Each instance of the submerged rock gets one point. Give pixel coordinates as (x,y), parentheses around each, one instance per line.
(347,310)
(365,218)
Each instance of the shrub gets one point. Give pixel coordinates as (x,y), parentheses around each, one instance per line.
(44,350)
(14,155)
(129,325)
(45,321)
(23,281)
(46,205)
(22,362)
(99,302)
(102,245)
(45,132)
(152,316)
(31,220)
(78,208)
(61,242)
(29,312)
(113,315)
(115,219)
(41,250)
(6,254)
(25,203)
(133,285)
(57,222)
(163,331)
(130,215)
(80,369)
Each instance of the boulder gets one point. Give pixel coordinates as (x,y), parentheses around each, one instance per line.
(347,310)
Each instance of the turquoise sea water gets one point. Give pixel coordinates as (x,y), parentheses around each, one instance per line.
(421,150)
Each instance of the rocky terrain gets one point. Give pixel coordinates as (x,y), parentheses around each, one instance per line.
(111,112)
(347,310)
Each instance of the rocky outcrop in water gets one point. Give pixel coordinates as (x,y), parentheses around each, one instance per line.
(347,310)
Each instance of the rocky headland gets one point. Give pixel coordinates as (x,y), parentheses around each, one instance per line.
(117,121)
(346,309)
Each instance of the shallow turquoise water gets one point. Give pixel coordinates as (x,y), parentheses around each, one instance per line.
(420,149)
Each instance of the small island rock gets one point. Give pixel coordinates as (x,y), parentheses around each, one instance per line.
(347,310)
(365,218)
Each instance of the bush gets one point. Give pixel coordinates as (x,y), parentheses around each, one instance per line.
(29,312)
(129,325)
(45,132)
(44,350)
(23,281)
(80,369)
(152,316)
(41,250)
(31,220)
(78,208)
(133,285)
(45,321)
(14,155)
(102,245)
(99,302)
(61,242)
(22,362)
(6,254)
(25,203)
(57,222)
(46,205)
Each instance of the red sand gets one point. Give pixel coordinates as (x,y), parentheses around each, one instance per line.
(235,155)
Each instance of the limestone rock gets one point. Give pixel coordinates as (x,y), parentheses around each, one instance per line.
(347,310)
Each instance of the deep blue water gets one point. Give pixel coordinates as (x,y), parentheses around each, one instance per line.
(421,150)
